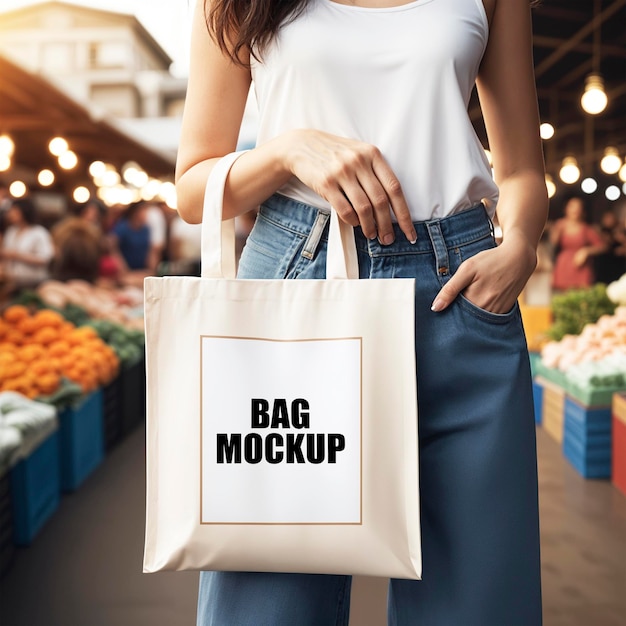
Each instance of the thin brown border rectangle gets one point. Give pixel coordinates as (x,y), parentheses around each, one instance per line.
(360,522)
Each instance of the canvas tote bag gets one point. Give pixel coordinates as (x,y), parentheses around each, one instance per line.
(281,416)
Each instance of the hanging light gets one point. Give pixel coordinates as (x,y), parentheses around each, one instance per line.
(45,178)
(68,160)
(81,194)
(546,130)
(550,186)
(589,185)
(594,98)
(612,193)
(611,161)
(5,162)
(17,189)
(7,146)
(570,172)
(97,169)
(58,146)
(622,172)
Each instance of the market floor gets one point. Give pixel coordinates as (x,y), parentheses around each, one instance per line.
(84,569)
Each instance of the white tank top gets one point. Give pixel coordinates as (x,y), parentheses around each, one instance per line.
(399,78)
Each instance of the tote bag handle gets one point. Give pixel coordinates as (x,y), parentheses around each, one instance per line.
(218,236)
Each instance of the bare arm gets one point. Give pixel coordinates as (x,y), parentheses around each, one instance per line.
(351,175)
(494,278)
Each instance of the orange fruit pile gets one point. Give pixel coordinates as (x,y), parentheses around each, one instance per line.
(38,350)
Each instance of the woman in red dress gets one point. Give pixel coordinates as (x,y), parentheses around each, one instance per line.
(577,242)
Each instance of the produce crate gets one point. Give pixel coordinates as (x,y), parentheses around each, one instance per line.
(552,409)
(7,546)
(587,439)
(537,321)
(82,442)
(618,469)
(538,400)
(550,374)
(112,413)
(35,490)
(133,386)
(592,396)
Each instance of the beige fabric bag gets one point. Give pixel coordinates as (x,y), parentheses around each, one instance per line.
(282,416)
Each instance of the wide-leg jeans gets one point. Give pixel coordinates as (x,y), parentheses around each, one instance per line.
(478,467)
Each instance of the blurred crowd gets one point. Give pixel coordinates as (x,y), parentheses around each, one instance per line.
(108,246)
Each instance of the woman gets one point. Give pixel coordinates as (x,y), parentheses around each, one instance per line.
(363,107)
(577,243)
(27,247)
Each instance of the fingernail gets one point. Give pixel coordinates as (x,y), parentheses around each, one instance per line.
(388,239)
(413,241)
(437,305)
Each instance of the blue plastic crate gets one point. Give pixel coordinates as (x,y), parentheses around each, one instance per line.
(112,413)
(588,463)
(82,441)
(7,544)
(590,419)
(35,490)
(537,400)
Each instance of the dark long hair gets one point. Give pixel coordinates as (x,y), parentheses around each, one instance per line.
(239,26)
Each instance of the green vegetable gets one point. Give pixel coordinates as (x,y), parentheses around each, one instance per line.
(574,309)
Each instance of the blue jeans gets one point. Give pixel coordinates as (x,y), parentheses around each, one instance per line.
(478,467)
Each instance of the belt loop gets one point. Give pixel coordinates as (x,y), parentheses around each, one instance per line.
(439,247)
(313,240)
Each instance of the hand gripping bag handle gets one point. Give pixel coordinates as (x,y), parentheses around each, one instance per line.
(218,236)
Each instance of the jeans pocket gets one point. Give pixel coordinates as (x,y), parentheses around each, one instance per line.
(464,252)
(270,252)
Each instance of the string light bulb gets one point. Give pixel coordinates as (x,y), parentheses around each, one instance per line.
(570,172)
(594,99)
(622,172)
(7,146)
(546,130)
(45,178)
(58,146)
(611,161)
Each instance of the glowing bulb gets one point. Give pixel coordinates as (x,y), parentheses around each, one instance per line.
(68,160)
(110,178)
(17,189)
(612,193)
(622,173)
(5,162)
(58,146)
(7,146)
(150,189)
(611,161)
(594,98)
(570,172)
(550,186)
(589,185)
(45,178)
(97,169)
(546,131)
(81,194)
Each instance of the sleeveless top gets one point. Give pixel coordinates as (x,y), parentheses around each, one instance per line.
(399,78)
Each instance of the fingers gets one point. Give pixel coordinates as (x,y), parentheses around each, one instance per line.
(395,196)
(450,291)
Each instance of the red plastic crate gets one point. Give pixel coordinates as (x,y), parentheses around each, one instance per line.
(618,471)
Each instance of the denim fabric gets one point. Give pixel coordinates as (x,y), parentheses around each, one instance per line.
(478,470)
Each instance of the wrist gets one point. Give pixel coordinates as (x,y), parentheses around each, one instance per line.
(522,249)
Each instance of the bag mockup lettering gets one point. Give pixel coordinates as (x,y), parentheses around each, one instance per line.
(275,447)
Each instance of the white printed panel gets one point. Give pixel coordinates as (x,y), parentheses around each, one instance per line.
(281,431)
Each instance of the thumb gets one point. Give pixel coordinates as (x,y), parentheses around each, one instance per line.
(448,293)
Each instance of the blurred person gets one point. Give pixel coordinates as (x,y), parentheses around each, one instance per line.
(131,236)
(363,110)
(611,264)
(157,223)
(184,247)
(27,247)
(576,243)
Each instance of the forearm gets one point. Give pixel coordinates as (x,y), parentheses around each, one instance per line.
(523,208)
(253,178)
(31,259)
